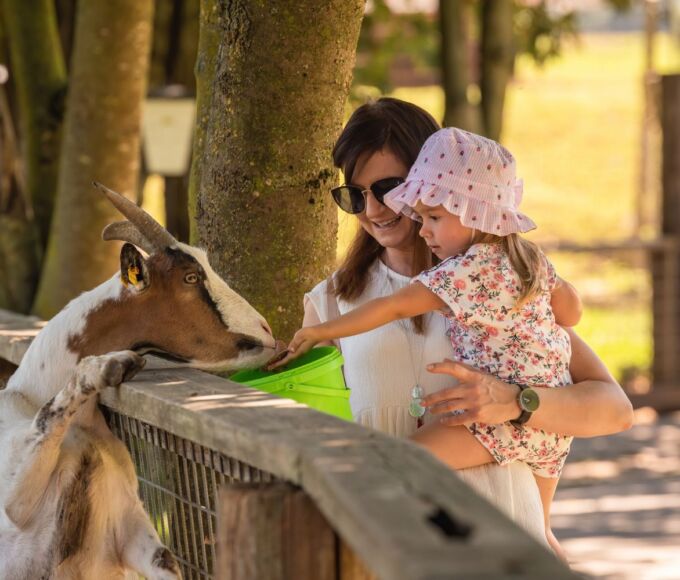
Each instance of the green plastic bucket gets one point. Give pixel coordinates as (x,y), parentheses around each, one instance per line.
(314,379)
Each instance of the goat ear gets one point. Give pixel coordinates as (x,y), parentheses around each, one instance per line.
(133,270)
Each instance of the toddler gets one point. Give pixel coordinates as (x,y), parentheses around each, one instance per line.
(501,295)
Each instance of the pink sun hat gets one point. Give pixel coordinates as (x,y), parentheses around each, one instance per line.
(471,176)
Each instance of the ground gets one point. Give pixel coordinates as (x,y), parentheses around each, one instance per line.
(617,509)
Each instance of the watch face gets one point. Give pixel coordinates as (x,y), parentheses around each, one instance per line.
(528,400)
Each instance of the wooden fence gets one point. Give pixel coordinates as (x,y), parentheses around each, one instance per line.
(661,257)
(243,485)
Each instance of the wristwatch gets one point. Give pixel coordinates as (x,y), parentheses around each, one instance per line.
(528,402)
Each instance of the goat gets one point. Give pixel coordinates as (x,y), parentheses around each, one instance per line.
(67,486)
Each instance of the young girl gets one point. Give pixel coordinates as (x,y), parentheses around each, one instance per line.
(504,302)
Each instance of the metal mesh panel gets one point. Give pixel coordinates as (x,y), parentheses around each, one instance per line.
(178,483)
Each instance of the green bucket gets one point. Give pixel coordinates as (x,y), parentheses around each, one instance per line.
(314,379)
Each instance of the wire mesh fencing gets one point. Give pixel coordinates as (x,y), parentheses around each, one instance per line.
(178,483)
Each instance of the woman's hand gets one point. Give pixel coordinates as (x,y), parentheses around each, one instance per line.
(478,396)
(302,342)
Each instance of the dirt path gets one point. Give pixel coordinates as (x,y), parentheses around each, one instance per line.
(617,510)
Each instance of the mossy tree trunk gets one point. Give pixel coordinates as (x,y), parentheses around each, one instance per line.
(497,51)
(39,74)
(455,19)
(272,80)
(101,142)
(19,248)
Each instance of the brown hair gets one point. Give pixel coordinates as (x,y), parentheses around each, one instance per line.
(525,258)
(402,128)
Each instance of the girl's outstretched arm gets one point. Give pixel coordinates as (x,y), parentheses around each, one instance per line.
(410,301)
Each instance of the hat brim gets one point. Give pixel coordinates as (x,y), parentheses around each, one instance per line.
(473,213)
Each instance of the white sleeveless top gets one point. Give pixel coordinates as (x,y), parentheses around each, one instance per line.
(379,365)
(379,370)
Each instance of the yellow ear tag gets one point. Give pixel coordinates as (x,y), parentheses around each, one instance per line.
(132,274)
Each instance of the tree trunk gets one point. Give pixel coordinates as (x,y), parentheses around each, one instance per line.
(101,142)
(19,248)
(173,57)
(39,73)
(454,20)
(272,81)
(66,19)
(497,59)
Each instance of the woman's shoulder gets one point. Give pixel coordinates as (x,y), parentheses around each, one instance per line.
(321,288)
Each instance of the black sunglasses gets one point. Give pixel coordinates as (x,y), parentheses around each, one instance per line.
(352,199)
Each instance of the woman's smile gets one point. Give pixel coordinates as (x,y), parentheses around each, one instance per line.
(383,225)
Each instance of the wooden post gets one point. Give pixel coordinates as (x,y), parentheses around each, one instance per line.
(666,261)
(272,532)
(351,566)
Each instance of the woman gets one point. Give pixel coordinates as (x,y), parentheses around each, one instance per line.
(375,151)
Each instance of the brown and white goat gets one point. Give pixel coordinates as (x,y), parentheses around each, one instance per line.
(68,489)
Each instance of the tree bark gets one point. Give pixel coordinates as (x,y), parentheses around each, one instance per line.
(174,45)
(497,60)
(19,247)
(454,20)
(101,142)
(39,74)
(272,81)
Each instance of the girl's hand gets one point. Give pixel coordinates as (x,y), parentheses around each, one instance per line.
(302,342)
(478,396)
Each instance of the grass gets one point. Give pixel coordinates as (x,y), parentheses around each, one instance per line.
(575,127)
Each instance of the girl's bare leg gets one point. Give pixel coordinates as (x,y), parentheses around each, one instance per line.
(547,487)
(455,446)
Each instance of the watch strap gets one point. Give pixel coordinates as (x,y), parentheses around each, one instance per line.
(524,415)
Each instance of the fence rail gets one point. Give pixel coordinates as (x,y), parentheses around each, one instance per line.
(662,262)
(404,514)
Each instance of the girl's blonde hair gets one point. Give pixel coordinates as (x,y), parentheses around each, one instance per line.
(525,258)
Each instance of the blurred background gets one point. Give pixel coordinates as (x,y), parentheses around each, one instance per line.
(585,95)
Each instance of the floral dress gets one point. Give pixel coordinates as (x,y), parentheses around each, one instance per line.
(521,345)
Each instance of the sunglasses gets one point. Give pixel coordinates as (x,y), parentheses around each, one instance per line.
(352,199)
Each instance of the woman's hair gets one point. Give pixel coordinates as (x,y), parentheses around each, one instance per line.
(525,258)
(401,128)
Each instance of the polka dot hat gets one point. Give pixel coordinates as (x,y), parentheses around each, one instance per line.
(471,176)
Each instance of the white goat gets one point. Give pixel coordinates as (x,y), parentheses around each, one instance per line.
(68,490)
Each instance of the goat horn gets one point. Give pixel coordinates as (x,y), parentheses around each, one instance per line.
(126,231)
(156,235)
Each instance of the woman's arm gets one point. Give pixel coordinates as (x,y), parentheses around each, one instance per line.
(595,405)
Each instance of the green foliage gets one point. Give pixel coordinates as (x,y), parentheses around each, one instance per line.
(386,36)
(541,34)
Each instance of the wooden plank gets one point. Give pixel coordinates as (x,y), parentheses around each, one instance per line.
(666,316)
(663,399)
(17,331)
(351,566)
(378,492)
(272,531)
(662,243)
(401,511)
